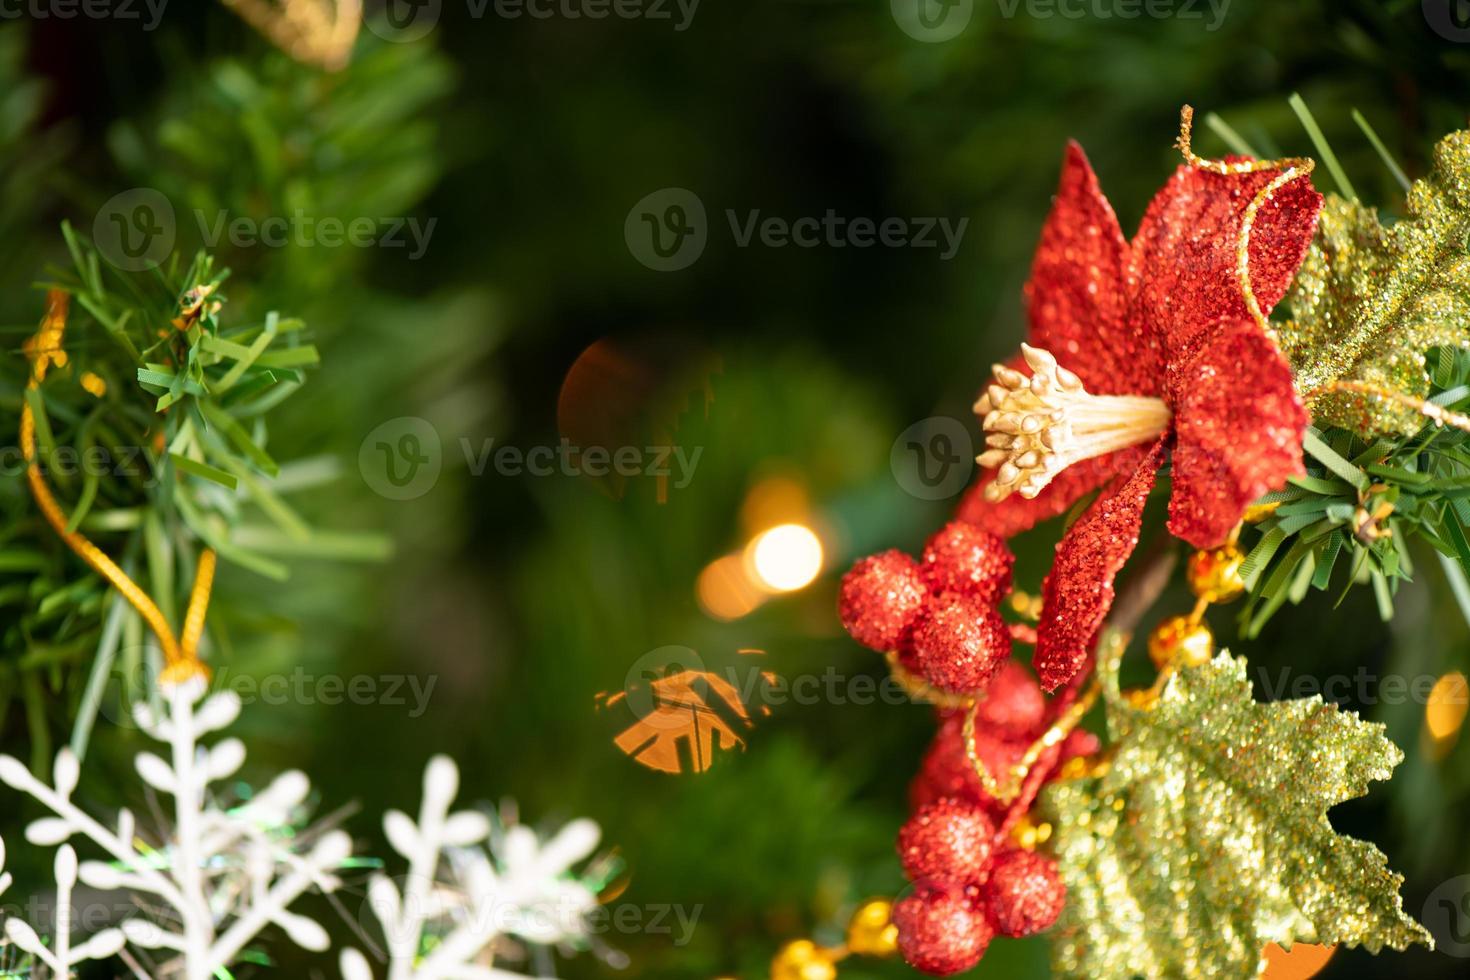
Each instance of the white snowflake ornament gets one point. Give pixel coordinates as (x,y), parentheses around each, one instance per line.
(465,891)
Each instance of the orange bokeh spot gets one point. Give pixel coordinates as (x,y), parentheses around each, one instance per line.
(725,591)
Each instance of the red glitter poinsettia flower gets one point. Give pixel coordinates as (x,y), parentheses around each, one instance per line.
(1138,351)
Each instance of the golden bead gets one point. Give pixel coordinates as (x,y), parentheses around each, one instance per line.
(1142,698)
(1026,834)
(803,960)
(870,931)
(1214,575)
(1179,642)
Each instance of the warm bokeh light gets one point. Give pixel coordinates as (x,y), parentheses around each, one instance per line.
(1301,961)
(773,501)
(725,591)
(1448,701)
(786,558)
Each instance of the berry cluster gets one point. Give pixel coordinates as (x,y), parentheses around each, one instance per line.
(941,616)
(941,613)
(1010,718)
(968,888)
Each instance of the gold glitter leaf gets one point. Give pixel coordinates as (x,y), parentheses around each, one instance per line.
(1208,836)
(1369,300)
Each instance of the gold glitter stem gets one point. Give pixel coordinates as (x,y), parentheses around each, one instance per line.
(1006,792)
(1439,415)
(182,660)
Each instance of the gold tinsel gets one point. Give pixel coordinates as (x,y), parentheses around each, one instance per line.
(1370,300)
(1208,836)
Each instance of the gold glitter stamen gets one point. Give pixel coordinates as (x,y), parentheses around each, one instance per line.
(1037,426)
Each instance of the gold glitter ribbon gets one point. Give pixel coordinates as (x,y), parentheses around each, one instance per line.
(1291,167)
(181,657)
(1007,791)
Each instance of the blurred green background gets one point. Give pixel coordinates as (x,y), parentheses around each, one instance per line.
(792,371)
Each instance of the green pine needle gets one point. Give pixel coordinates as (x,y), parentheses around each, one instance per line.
(1344,186)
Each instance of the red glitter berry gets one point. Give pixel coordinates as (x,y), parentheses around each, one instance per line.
(941,930)
(1013,704)
(881,596)
(960,643)
(963,558)
(946,770)
(1024,894)
(947,840)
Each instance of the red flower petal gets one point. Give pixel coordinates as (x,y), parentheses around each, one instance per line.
(1239,426)
(1015,513)
(1077,298)
(1079,590)
(1186,253)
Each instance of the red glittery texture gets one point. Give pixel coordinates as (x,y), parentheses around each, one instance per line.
(941,928)
(1015,513)
(880,598)
(947,840)
(1078,298)
(1013,704)
(1163,316)
(1079,590)
(960,643)
(1186,254)
(1024,895)
(963,558)
(1231,449)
